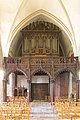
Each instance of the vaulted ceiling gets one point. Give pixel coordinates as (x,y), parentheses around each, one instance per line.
(16,14)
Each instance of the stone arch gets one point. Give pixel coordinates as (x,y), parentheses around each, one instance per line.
(41,84)
(14,70)
(63,70)
(41,69)
(37,13)
(65,83)
(6,79)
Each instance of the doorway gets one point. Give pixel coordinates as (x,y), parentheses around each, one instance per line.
(40,86)
(39,91)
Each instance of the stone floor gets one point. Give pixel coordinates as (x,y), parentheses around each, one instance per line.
(43,111)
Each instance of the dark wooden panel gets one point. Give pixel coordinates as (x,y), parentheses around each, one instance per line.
(64,84)
(39,91)
(61,85)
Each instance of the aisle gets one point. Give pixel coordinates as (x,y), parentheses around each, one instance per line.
(42,111)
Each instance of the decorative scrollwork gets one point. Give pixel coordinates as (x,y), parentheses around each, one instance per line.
(41,25)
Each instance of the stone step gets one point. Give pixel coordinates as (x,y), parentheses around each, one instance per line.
(43,118)
(43,115)
(42,111)
(34,118)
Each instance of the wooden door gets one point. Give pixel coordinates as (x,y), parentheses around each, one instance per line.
(39,91)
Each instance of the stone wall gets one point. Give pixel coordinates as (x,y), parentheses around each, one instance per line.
(40,79)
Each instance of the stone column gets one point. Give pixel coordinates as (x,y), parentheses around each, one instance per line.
(51,89)
(13,83)
(1,72)
(70,84)
(77,90)
(29,91)
(1,90)
(4,90)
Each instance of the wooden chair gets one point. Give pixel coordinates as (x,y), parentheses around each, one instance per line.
(25,114)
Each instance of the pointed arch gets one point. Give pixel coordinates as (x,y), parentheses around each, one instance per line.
(47,15)
(14,70)
(64,70)
(43,70)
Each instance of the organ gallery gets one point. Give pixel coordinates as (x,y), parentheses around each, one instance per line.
(41,68)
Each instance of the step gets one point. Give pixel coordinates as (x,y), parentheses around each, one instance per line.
(42,111)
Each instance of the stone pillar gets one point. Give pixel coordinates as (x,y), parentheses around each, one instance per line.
(13,83)
(77,90)
(51,89)
(1,72)
(29,91)
(1,90)
(4,90)
(2,85)
(70,85)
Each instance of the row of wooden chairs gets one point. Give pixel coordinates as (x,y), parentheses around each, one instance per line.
(64,99)
(67,110)
(15,110)
(16,114)
(17,99)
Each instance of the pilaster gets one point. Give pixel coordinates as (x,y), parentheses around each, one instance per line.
(29,90)
(4,90)
(51,89)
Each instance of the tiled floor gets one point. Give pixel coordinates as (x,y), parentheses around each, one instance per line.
(43,111)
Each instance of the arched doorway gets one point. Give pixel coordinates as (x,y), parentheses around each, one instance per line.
(65,85)
(40,86)
(16,84)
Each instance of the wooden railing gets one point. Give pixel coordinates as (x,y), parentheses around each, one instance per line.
(41,60)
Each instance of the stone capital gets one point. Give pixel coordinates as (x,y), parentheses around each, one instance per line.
(29,81)
(77,81)
(4,80)
(51,81)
